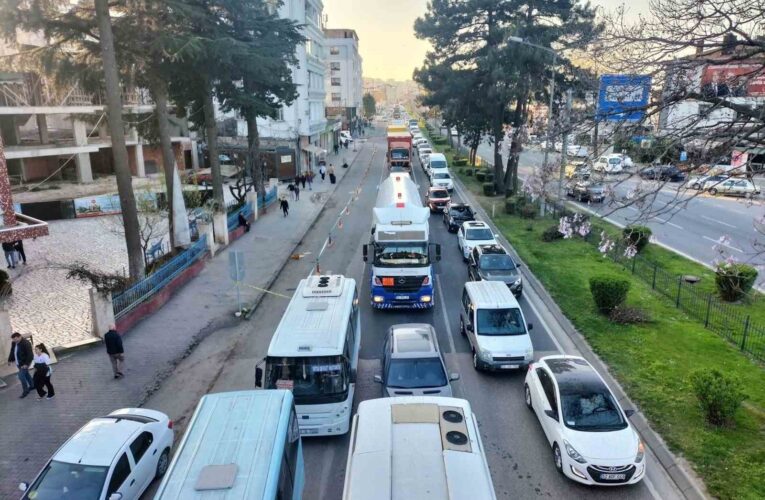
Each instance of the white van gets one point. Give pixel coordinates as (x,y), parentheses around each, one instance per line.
(437,163)
(493,322)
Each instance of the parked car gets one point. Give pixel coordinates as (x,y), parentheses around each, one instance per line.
(412,363)
(437,199)
(733,187)
(577,151)
(346,136)
(663,173)
(590,435)
(612,164)
(442,179)
(457,213)
(699,181)
(119,454)
(585,190)
(472,234)
(577,166)
(493,263)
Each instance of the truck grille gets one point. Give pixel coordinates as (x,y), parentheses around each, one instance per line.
(403,283)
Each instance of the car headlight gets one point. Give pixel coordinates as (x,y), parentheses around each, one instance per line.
(518,282)
(575,456)
(640,452)
(529,353)
(484,355)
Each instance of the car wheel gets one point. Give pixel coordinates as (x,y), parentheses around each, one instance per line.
(713,191)
(696,185)
(462,328)
(557,458)
(527,396)
(476,363)
(163,463)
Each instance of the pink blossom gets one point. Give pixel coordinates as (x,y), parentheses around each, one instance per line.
(630,252)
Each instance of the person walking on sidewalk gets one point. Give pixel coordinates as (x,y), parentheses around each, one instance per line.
(21,354)
(43,371)
(323,170)
(285,206)
(10,254)
(19,246)
(331,172)
(115,350)
(303,179)
(297,192)
(309,179)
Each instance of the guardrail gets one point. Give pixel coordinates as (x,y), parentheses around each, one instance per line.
(147,287)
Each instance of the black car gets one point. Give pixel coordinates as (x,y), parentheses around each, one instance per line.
(492,263)
(663,173)
(457,213)
(594,192)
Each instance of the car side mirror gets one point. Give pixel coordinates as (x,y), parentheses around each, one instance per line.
(364,252)
(552,414)
(469,327)
(23,486)
(258,376)
(115,496)
(454,376)
(529,326)
(629,413)
(378,379)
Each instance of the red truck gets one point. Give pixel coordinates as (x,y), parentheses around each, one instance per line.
(399,149)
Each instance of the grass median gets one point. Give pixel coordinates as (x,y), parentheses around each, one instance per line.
(653,360)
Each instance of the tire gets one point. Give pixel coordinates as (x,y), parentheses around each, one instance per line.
(476,363)
(557,458)
(462,328)
(163,463)
(696,185)
(527,396)
(713,191)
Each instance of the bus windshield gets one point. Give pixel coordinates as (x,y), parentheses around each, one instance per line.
(312,380)
(396,254)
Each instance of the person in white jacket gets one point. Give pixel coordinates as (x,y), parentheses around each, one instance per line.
(43,373)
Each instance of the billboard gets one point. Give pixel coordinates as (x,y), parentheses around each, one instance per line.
(93,206)
(734,79)
(623,98)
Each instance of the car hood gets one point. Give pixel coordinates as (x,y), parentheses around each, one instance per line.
(443,391)
(499,275)
(510,345)
(619,445)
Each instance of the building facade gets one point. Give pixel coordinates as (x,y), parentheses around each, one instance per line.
(343,79)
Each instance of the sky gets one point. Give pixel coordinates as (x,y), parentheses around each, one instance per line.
(386,32)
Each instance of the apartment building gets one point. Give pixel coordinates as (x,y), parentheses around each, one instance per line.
(344,74)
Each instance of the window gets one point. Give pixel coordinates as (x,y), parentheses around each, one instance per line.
(280,115)
(547,386)
(500,322)
(465,300)
(334,50)
(289,459)
(334,66)
(140,445)
(336,81)
(120,473)
(336,97)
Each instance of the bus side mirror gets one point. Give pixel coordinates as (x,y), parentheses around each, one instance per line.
(258,377)
(364,252)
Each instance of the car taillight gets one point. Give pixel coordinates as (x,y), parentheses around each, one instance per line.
(377,281)
(426,281)
(169,424)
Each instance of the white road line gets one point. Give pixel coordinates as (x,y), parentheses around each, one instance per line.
(675,225)
(547,328)
(665,221)
(446,319)
(718,221)
(723,244)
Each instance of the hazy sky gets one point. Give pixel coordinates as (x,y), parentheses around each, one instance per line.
(386,33)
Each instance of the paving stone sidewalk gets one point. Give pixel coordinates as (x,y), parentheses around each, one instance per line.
(83,380)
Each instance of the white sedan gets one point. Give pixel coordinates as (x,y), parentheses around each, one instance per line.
(114,457)
(474,233)
(590,435)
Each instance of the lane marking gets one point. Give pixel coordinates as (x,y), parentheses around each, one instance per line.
(723,244)
(452,345)
(718,221)
(675,225)
(544,323)
(665,221)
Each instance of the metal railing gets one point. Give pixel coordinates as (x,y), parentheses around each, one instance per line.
(233,217)
(131,297)
(269,198)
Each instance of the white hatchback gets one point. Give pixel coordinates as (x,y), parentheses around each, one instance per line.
(114,457)
(590,435)
(474,233)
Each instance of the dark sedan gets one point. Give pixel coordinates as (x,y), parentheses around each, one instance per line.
(663,173)
(457,213)
(492,263)
(594,192)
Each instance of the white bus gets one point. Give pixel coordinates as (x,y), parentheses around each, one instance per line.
(314,353)
(418,448)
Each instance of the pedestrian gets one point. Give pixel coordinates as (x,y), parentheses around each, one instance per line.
(303,179)
(21,354)
(244,222)
(297,192)
(335,148)
(43,371)
(345,164)
(19,246)
(285,206)
(291,188)
(331,172)
(115,350)
(10,254)
(323,171)
(309,179)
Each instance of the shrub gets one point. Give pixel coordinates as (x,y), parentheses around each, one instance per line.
(719,395)
(608,292)
(488,188)
(511,205)
(469,172)
(638,236)
(461,162)
(734,280)
(528,211)
(439,140)
(480,176)
(628,315)
(551,234)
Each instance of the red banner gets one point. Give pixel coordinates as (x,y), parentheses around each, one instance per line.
(735,79)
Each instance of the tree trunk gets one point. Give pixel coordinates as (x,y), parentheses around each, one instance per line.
(159,91)
(519,119)
(498,136)
(253,152)
(136,263)
(211,133)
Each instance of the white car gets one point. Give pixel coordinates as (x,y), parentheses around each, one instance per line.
(472,234)
(440,177)
(590,435)
(612,164)
(114,457)
(419,140)
(346,135)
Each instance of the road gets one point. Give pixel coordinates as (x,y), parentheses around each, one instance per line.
(682,220)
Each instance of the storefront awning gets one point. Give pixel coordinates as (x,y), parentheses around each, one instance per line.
(310,148)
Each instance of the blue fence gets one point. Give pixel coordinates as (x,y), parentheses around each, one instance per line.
(139,292)
(233,217)
(270,198)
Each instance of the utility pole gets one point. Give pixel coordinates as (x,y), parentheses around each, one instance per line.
(564,149)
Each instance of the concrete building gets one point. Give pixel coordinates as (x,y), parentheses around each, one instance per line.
(343,79)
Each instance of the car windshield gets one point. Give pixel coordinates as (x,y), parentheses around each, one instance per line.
(497,262)
(500,322)
(479,234)
(590,409)
(312,380)
(439,193)
(411,373)
(614,161)
(441,175)
(61,480)
(401,255)
(437,164)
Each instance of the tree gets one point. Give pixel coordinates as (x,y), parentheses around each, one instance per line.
(369,104)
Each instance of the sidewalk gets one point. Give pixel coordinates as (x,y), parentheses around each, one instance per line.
(83,380)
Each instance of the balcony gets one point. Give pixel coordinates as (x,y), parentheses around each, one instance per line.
(25,228)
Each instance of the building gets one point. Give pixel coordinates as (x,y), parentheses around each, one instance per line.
(14,226)
(343,79)
(60,134)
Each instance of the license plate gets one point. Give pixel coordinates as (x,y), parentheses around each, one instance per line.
(402,297)
(509,367)
(309,431)
(613,477)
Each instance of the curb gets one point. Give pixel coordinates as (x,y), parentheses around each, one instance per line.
(689,484)
(76,346)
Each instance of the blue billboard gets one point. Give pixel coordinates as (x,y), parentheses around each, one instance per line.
(623,98)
